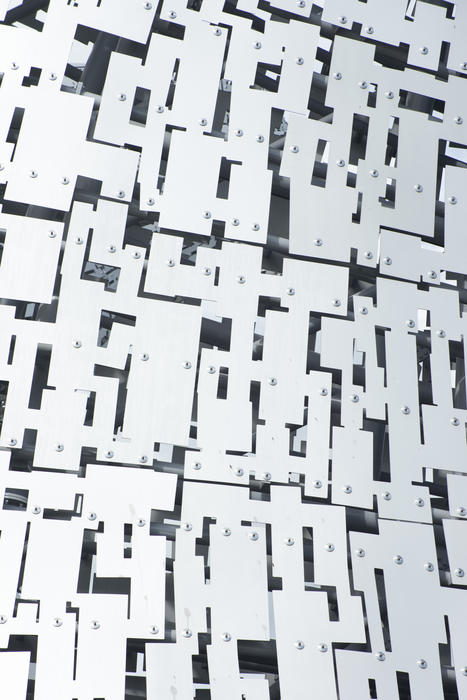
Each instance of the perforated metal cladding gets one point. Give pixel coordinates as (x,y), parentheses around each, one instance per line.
(232,364)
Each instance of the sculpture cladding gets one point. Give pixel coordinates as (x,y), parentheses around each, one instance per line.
(232,363)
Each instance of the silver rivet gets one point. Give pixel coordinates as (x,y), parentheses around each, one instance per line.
(410,323)
(3,619)
(387,261)
(340,163)
(197,466)
(380,655)
(405,410)
(347,489)
(322,647)
(92,516)
(461,511)
(145,357)
(458,120)
(170,262)
(206,214)
(421,663)
(121,194)
(342,20)
(160,108)
(360,552)
(260,138)
(418,188)
(235,222)
(239,471)
(12,442)
(463,65)
(317,484)
(241,279)
(36,510)
(95,625)
(150,202)
(387,496)
(363,310)
(289,541)
(65,180)
(203,122)
(77,343)
(423,50)
(398,559)
(428,566)
(302,3)
(154,629)
(57,622)
(299,644)
(206,271)
(337,76)
(323,391)
(187,527)
(419,502)
(143,459)
(111,249)
(452,200)
(368,255)
(299,61)
(226,531)
(253,536)
(79,240)
(136,255)
(187,632)
(459,572)
(257,45)
(52,234)
(266,476)
(432,274)
(336,302)
(141,522)
(33,173)
(464,669)
(374,173)
(369,30)
(363,84)
(147,5)
(211,369)
(59,447)
(109,454)
(294,149)
(455,421)
(389,95)
(217,31)
(329,547)
(226,637)
(290,291)
(238,132)
(318,241)
(272,381)
(187,364)
(122,97)
(354,398)
(172,14)
(14,66)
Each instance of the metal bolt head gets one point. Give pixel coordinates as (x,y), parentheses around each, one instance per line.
(336,302)
(92,516)
(421,663)
(226,531)
(172,14)
(464,669)
(207,271)
(428,566)
(160,108)
(289,541)
(65,180)
(109,454)
(143,459)
(187,527)
(329,547)
(387,260)
(294,149)
(418,188)
(121,194)
(59,447)
(290,291)
(410,323)
(322,647)
(360,552)
(463,66)
(257,45)
(318,242)
(33,173)
(380,655)
(187,633)
(419,502)
(226,637)
(405,410)
(14,66)
(432,274)
(299,644)
(170,262)
(387,496)
(452,200)
(136,255)
(461,511)
(347,489)
(455,421)
(141,522)
(337,75)
(235,222)
(36,510)
(342,20)
(267,476)
(238,132)
(79,240)
(423,50)
(299,61)
(187,364)
(95,625)
(374,173)
(217,31)
(52,234)
(154,629)
(323,391)
(144,357)
(363,84)
(57,622)
(203,122)
(260,138)
(317,484)
(389,95)
(77,344)
(197,466)
(253,536)
(239,471)
(458,120)
(150,202)
(211,369)
(398,559)
(369,30)
(340,163)
(302,3)
(12,442)
(206,214)
(147,5)
(3,619)
(368,255)
(122,97)
(354,398)
(272,381)
(241,279)
(363,310)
